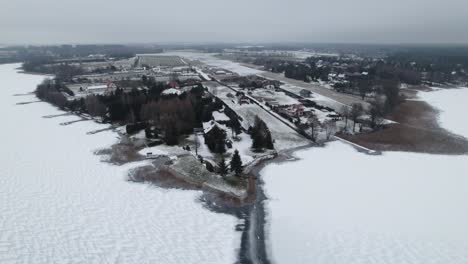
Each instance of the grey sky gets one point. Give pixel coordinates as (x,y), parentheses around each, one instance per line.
(125,21)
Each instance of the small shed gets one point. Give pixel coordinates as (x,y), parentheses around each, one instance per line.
(305,93)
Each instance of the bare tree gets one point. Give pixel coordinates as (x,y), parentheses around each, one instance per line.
(314,125)
(345,112)
(330,128)
(355,113)
(376,112)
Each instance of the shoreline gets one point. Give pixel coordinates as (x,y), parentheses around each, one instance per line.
(416,130)
(253,247)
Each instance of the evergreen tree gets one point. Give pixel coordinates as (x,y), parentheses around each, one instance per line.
(236,163)
(222,167)
(171,135)
(261,136)
(268,140)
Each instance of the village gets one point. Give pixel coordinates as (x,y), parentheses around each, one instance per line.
(206,125)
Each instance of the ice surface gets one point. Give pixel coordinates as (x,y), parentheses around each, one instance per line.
(452,104)
(336,205)
(60,204)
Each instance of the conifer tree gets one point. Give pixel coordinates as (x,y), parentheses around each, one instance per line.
(236,163)
(222,167)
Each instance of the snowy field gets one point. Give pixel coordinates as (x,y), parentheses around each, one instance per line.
(336,205)
(60,204)
(210,60)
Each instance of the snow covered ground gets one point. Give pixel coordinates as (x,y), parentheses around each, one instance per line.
(211,60)
(452,106)
(301,54)
(271,96)
(285,137)
(60,204)
(336,205)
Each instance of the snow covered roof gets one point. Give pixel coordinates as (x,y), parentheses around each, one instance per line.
(188,88)
(97,87)
(171,91)
(218,116)
(208,126)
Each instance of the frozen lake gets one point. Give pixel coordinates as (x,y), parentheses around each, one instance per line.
(452,106)
(336,205)
(60,204)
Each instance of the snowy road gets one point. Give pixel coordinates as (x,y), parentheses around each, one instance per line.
(60,204)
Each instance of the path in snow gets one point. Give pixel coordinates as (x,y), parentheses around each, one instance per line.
(60,204)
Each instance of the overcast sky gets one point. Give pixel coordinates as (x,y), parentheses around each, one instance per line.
(153,21)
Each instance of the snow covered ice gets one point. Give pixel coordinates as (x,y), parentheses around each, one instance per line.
(452,106)
(60,204)
(336,205)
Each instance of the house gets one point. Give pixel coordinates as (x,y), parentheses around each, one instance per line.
(305,93)
(97,89)
(208,126)
(271,84)
(294,110)
(215,136)
(243,100)
(221,117)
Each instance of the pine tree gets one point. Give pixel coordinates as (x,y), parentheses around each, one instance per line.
(222,167)
(268,140)
(236,163)
(261,136)
(171,135)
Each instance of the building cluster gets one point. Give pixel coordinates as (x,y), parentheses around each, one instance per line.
(171,70)
(293,107)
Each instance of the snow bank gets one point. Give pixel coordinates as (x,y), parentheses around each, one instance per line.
(336,205)
(60,204)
